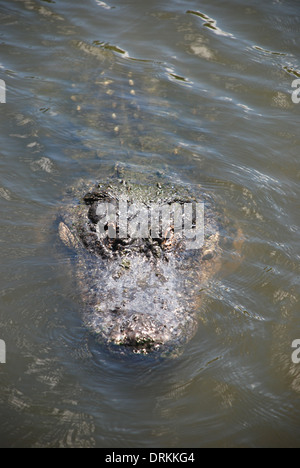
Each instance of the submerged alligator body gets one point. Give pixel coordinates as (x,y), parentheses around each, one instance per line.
(140,290)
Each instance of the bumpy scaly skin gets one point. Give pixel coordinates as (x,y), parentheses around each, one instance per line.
(138,294)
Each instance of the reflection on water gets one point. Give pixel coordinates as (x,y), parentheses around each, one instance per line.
(196,94)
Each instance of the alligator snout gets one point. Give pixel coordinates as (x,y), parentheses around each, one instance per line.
(140,333)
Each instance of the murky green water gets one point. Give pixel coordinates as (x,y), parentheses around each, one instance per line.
(201,91)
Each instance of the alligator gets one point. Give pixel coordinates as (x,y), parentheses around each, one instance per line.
(140,288)
(140,293)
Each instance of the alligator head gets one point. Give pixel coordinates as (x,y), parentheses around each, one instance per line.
(139,287)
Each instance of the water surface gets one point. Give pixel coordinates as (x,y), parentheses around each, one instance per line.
(200,92)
